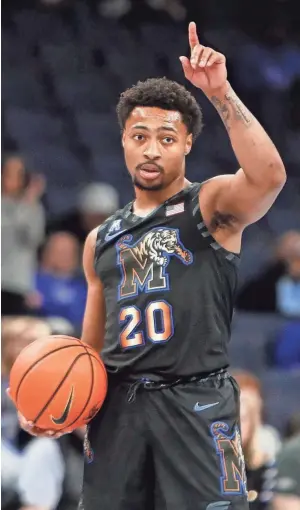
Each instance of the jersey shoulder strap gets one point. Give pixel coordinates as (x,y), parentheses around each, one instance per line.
(109,229)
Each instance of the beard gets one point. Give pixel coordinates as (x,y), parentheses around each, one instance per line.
(147,187)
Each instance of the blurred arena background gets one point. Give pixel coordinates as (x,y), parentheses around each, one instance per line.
(64,64)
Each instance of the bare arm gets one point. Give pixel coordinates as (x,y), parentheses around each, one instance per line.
(95,315)
(248,194)
(286,503)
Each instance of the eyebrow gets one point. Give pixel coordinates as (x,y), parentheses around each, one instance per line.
(162,128)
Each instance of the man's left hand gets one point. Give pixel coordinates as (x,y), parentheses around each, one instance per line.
(206,68)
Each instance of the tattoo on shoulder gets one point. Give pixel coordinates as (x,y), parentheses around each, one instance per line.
(232,107)
(221,220)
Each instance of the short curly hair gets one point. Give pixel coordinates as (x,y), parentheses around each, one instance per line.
(165,94)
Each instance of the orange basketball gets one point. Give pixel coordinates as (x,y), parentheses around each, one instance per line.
(58,383)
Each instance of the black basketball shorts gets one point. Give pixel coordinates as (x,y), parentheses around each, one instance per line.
(153,447)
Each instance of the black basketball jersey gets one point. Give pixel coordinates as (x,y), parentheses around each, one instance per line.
(169,291)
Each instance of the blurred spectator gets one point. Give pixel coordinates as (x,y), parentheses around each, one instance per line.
(51,473)
(293,426)
(96,202)
(22,232)
(288,286)
(287,483)
(260,442)
(16,334)
(277,288)
(60,289)
(37,473)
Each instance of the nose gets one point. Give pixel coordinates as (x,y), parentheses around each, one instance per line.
(152,150)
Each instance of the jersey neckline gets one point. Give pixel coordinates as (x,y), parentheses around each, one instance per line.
(130,215)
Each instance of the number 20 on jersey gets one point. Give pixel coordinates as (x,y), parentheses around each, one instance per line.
(155,323)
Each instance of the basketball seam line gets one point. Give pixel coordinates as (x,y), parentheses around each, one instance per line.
(36,362)
(59,386)
(91,388)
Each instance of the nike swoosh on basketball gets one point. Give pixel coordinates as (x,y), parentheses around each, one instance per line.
(198,407)
(65,414)
(109,236)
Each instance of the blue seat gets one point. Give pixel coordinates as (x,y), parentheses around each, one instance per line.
(247,352)
(281,396)
(252,335)
(164,40)
(282,219)
(67,59)
(34,26)
(14,52)
(60,166)
(30,128)
(23,88)
(99,132)
(86,92)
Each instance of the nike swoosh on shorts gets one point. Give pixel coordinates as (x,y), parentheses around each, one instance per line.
(198,407)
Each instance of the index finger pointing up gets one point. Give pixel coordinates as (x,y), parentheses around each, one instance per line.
(193,37)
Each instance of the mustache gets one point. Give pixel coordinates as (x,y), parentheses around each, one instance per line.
(140,166)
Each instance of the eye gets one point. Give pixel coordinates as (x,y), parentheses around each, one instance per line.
(168,140)
(138,137)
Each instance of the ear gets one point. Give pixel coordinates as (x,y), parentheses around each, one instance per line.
(188,144)
(123,138)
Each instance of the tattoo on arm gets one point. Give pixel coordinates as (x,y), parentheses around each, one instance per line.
(232,108)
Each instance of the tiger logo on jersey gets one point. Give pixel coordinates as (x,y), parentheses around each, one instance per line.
(144,262)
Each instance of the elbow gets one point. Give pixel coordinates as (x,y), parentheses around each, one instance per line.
(277,174)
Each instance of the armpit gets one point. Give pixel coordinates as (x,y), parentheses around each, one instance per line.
(221,220)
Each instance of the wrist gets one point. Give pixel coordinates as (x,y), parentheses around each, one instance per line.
(219,93)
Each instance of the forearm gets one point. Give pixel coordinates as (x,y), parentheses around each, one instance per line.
(254,150)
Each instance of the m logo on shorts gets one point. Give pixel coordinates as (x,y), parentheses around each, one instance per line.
(229,450)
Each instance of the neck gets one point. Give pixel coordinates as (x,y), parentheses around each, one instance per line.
(146,201)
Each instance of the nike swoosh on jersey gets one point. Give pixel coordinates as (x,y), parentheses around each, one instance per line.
(109,236)
(198,407)
(65,414)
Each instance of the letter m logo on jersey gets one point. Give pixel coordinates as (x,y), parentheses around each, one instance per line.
(143,263)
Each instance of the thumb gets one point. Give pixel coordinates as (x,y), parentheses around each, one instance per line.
(186,66)
(8,393)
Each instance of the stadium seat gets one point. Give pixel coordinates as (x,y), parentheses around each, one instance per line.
(67,59)
(86,92)
(34,26)
(98,131)
(60,166)
(30,129)
(22,87)
(252,335)
(281,392)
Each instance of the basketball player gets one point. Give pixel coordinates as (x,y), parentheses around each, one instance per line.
(162,276)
